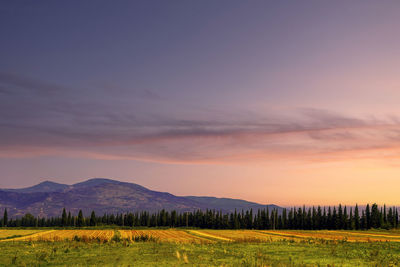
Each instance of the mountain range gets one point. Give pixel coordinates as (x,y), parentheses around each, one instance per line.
(108,196)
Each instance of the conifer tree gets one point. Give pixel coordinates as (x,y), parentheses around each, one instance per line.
(375,217)
(291,219)
(356,218)
(384,214)
(92,219)
(309,222)
(345,218)
(329,219)
(314,217)
(5,217)
(69,219)
(64,218)
(236,224)
(339,218)
(363,221)
(284,219)
(319,219)
(334,219)
(80,220)
(351,220)
(368,217)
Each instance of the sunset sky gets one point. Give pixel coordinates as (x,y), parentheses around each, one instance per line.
(284,102)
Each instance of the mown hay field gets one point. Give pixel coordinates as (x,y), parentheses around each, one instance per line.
(12,233)
(234,235)
(65,235)
(170,235)
(348,236)
(199,235)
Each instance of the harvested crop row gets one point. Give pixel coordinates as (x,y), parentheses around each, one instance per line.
(327,235)
(60,235)
(212,236)
(239,235)
(370,234)
(4,234)
(177,236)
(283,235)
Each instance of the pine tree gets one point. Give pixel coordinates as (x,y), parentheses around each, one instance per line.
(274,219)
(390,218)
(69,219)
(385,220)
(92,219)
(266,220)
(339,218)
(368,216)
(80,219)
(329,219)
(351,219)
(356,218)
(5,218)
(334,219)
(291,219)
(64,218)
(284,219)
(309,221)
(303,217)
(174,218)
(375,216)
(319,219)
(381,218)
(236,224)
(363,221)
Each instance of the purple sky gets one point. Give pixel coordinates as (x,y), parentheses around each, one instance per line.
(285,102)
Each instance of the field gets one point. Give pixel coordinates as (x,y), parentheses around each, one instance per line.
(175,247)
(172,235)
(13,234)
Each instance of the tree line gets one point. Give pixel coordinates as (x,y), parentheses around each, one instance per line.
(301,218)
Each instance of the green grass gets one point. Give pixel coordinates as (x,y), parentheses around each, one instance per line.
(278,253)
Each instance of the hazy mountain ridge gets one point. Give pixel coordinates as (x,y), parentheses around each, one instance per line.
(46,186)
(107,196)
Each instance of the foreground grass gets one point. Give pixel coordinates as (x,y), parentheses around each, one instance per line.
(276,253)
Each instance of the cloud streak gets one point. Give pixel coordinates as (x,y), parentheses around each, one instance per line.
(39,119)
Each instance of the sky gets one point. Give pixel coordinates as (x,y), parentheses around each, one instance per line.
(284,102)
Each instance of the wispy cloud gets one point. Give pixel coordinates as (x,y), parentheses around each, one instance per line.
(16,84)
(38,118)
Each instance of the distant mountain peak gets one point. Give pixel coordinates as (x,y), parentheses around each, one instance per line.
(108,196)
(99,179)
(46,183)
(96,181)
(46,186)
